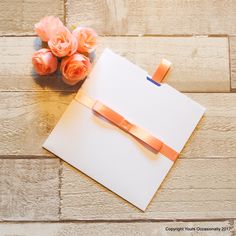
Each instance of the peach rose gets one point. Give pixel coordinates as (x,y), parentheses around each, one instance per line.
(87,39)
(63,43)
(75,68)
(44,62)
(47,27)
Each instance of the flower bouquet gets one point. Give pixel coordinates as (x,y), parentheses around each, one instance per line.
(70,48)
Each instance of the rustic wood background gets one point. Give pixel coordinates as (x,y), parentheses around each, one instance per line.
(41,195)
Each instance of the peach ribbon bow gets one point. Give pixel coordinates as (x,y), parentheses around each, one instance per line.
(142,135)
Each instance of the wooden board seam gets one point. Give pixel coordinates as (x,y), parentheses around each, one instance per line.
(121,221)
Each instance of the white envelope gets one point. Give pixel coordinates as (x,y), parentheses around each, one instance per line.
(111,156)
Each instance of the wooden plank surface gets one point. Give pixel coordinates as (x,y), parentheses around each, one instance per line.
(201,186)
(200,64)
(155,17)
(233,62)
(26,119)
(194,189)
(233,224)
(118,229)
(29,189)
(17,17)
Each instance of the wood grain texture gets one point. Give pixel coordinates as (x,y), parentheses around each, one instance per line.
(117,229)
(215,136)
(156,17)
(26,119)
(17,17)
(203,188)
(233,225)
(233,62)
(29,189)
(200,64)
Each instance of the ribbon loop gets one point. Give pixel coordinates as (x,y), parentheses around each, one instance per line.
(161,71)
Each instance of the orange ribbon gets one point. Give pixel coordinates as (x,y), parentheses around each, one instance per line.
(149,140)
(161,71)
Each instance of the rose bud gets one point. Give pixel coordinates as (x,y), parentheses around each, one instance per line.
(75,68)
(87,39)
(63,43)
(44,62)
(47,27)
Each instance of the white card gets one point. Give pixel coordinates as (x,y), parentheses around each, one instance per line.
(109,155)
